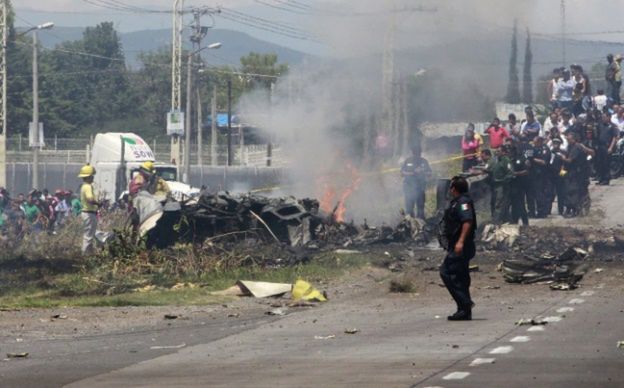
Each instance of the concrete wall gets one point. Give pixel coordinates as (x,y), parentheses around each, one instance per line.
(63,176)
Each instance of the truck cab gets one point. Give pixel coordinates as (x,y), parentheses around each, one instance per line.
(117,156)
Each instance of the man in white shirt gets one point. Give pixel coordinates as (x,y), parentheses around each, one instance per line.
(618,119)
(600,100)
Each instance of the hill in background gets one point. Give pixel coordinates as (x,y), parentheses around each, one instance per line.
(235,44)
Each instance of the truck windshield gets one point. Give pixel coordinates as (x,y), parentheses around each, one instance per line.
(167,173)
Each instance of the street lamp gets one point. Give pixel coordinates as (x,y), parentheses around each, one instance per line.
(35,83)
(187,114)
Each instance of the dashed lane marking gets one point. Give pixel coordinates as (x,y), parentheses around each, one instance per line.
(565,309)
(553,319)
(576,301)
(520,338)
(502,350)
(482,361)
(587,293)
(536,328)
(456,376)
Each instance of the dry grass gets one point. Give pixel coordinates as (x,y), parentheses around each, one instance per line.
(404,284)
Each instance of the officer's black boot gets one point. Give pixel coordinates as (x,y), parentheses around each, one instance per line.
(461,315)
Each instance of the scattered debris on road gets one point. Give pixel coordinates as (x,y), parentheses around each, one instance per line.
(171,316)
(532,322)
(276,312)
(58,316)
(168,347)
(303,290)
(17,355)
(320,337)
(620,344)
(351,331)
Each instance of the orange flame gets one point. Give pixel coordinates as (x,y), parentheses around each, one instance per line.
(327,201)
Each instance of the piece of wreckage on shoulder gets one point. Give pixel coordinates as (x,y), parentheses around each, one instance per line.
(561,272)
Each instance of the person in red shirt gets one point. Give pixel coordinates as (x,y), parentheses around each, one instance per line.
(470,147)
(497,134)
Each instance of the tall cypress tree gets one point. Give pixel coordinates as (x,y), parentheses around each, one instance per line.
(527,90)
(513,88)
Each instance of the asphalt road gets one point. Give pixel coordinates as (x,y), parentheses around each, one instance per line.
(402,344)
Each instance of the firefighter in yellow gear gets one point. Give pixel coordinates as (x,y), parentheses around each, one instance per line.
(147,179)
(89,203)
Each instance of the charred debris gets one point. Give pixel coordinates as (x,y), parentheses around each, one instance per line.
(297,224)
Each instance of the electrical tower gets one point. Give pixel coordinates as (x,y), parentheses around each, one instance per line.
(173,128)
(4,8)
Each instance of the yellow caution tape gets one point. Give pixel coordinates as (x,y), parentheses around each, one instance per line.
(381,172)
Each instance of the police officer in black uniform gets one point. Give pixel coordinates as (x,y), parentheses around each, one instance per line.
(457,237)
(520,166)
(415,171)
(538,174)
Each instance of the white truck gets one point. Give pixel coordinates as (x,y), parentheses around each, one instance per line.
(117,157)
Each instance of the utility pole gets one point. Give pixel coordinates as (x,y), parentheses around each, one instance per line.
(269,159)
(3,94)
(176,129)
(200,135)
(187,125)
(35,85)
(388,88)
(563,33)
(197,35)
(229,122)
(213,128)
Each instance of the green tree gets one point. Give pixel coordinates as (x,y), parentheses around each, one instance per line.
(84,83)
(513,88)
(527,80)
(262,65)
(19,79)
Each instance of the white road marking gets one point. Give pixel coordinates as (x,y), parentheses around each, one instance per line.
(502,350)
(565,310)
(536,328)
(577,301)
(587,293)
(456,376)
(520,338)
(482,361)
(553,319)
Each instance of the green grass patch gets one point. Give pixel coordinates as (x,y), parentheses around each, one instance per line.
(84,289)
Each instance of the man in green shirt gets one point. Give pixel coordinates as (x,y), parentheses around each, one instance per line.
(76,206)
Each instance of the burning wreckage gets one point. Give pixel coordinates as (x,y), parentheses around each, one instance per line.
(297,223)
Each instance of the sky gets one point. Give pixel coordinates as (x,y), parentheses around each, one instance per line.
(601,18)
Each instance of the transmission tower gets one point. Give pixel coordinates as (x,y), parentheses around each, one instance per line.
(4,8)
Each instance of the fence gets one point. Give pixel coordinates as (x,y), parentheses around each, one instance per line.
(67,150)
(64,176)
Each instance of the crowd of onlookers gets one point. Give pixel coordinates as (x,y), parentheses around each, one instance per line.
(532,162)
(37,211)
